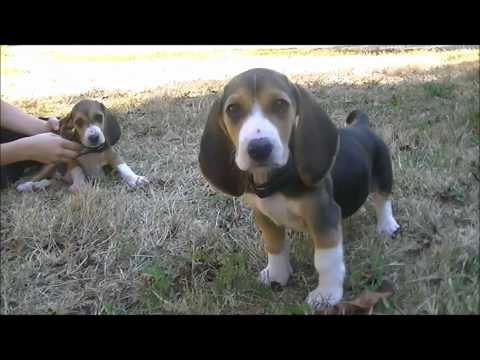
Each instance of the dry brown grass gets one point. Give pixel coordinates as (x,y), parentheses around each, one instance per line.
(180,247)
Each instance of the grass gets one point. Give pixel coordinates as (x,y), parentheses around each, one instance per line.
(353,51)
(178,247)
(439,90)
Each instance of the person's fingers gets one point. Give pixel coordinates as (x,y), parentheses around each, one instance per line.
(70,145)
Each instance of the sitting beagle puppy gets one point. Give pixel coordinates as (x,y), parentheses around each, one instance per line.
(93,126)
(270,141)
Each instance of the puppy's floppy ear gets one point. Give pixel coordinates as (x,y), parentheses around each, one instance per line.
(67,128)
(315,139)
(111,128)
(217,154)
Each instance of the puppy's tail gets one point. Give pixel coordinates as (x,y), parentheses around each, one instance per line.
(357,118)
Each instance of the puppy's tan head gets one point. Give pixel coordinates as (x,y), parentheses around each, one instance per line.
(259,121)
(91,124)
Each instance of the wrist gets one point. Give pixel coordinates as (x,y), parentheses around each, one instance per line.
(15,151)
(46,126)
(38,126)
(23,148)
(43,127)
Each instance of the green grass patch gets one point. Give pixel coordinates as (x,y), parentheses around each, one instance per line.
(441,90)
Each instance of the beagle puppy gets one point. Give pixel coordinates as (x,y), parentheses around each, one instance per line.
(93,126)
(269,141)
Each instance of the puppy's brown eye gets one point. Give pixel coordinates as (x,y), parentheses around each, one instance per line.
(234,111)
(98,117)
(280,106)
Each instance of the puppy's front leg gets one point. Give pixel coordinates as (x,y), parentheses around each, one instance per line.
(133,180)
(326,231)
(331,272)
(77,175)
(278,268)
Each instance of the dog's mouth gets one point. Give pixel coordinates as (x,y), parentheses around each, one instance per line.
(269,163)
(273,179)
(266,165)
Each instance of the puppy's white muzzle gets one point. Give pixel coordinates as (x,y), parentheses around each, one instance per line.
(259,143)
(93,137)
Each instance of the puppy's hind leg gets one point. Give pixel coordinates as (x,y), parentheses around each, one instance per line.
(386,223)
(382,195)
(39,181)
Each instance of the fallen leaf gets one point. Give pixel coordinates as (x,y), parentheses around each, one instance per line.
(363,304)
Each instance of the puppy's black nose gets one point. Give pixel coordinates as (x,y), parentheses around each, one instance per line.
(260,149)
(93,138)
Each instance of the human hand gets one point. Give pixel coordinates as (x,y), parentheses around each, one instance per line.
(48,147)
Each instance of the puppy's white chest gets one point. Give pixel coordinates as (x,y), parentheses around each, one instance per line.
(280,210)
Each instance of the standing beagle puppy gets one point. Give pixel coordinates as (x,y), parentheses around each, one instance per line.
(269,140)
(93,126)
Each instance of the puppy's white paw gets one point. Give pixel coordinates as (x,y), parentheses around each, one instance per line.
(270,275)
(388,226)
(135,181)
(31,186)
(25,187)
(74,188)
(324,296)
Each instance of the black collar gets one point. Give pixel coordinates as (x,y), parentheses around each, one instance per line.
(87,150)
(281,178)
